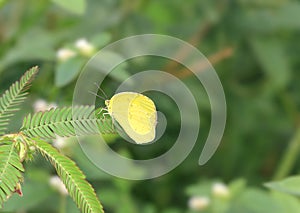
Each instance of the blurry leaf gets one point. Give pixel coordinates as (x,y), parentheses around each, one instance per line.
(272,19)
(287,202)
(264,3)
(289,185)
(106,59)
(274,61)
(36,44)
(219,204)
(150,208)
(159,13)
(172,210)
(100,40)
(254,201)
(237,186)
(201,189)
(2,2)
(109,197)
(67,71)
(289,15)
(74,6)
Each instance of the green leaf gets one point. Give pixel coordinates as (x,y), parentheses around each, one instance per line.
(287,202)
(273,60)
(200,189)
(259,3)
(276,18)
(10,170)
(14,96)
(254,201)
(79,189)
(36,44)
(119,73)
(2,2)
(100,40)
(237,186)
(65,122)
(67,71)
(73,6)
(290,185)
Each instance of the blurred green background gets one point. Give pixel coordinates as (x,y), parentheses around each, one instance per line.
(254,47)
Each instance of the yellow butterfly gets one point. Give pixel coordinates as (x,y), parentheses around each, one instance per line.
(135,113)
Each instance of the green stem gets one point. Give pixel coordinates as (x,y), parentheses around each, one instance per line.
(289,157)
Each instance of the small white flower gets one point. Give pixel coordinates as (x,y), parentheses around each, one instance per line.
(56,183)
(220,190)
(85,47)
(42,105)
(59,142)
(64,54)
(198,202)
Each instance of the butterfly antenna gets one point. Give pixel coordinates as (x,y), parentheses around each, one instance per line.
(93,93)
(99,88)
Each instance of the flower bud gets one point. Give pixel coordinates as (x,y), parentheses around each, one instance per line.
(64,54)
(220,190)
(198,202)
(84,47)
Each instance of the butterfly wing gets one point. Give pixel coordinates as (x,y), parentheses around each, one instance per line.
(136,114)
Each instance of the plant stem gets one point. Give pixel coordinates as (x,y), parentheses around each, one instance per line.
(289,157)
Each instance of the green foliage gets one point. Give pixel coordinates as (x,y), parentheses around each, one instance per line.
(290,185)
(10,169)
(13,97)
(65,122)
(242,198)
(66,71)
(260,79)
(72,177)
(271,55)
(74,6)
(15,148)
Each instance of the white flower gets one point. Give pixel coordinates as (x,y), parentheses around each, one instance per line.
(42,105)
(59,142)
(85,47)
(198,202)
(220,190)
(64,54)
(56,183)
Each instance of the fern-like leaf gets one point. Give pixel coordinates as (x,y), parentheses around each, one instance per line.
(11,170)
(65,122)
(13,97)
(79,189)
